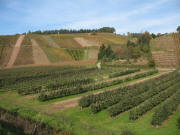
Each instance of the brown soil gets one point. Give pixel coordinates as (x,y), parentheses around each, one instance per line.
(66,104)
(85,43)
(38,55)
(15,51)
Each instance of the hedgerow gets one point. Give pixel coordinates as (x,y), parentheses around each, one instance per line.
(105,99)
(152,102)
(44,96)
(166,109)
(131,101)
(123,73)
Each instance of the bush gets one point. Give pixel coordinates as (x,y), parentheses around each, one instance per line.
(163,112)
(151,63)
(179,122)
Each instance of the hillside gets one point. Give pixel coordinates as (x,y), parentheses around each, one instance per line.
(166,51)
(37,49)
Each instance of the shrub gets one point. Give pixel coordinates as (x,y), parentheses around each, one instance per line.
(178,122)
(151,63)
(167,109)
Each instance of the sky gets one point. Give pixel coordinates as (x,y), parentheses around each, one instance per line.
(157,16)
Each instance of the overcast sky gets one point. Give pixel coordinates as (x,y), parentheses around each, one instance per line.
(18,16)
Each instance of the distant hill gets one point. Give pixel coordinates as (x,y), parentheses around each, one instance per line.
(56,48)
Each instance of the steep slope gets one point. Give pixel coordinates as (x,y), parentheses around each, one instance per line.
(38,54)
(7,44)
(165,50)
(25,55)
(15,51)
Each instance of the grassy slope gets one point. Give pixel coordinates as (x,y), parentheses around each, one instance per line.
(84,122)
(6,46)
(53,54)
(25,55)
(65,41)
(163,43)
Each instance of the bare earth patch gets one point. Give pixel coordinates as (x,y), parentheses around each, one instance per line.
(15,51)
(66,104)
(39,56)
(85,43)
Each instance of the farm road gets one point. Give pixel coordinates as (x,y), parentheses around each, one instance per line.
(15,51)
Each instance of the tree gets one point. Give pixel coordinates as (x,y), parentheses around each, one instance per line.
(101,52)
(106,54)
(153,35)
(178,29)
(144,42)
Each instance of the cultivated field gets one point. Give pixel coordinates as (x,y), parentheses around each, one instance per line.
(85,100)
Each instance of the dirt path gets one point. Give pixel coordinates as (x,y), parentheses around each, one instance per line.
(66,104)
(85,43)
(15,51)
(39,56)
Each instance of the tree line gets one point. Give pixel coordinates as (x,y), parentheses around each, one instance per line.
(67,31)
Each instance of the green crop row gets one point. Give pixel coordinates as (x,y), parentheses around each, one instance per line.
(152,102)
(166,109)
(131,101)
(81,89)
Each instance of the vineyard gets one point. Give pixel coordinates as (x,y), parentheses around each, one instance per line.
(78,99)
(6,46)
(63,97)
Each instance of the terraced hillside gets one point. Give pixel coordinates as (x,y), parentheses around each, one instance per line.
(57,48)
(166,51)
(6,46)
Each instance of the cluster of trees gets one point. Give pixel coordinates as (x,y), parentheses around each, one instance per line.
(163,112)
(178,29)
(140,48)
(155,100)
(66,31)
(106,54)
(106,99)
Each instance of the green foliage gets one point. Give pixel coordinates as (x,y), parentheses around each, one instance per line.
(133,50)
(106,54)
(140,95)
(126,72)
(178,123)
(144,42)
(90,87)
(151,63)
(166,110)
(76,54)
(66,31)
(153,101)
(103,100)
(178,29)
